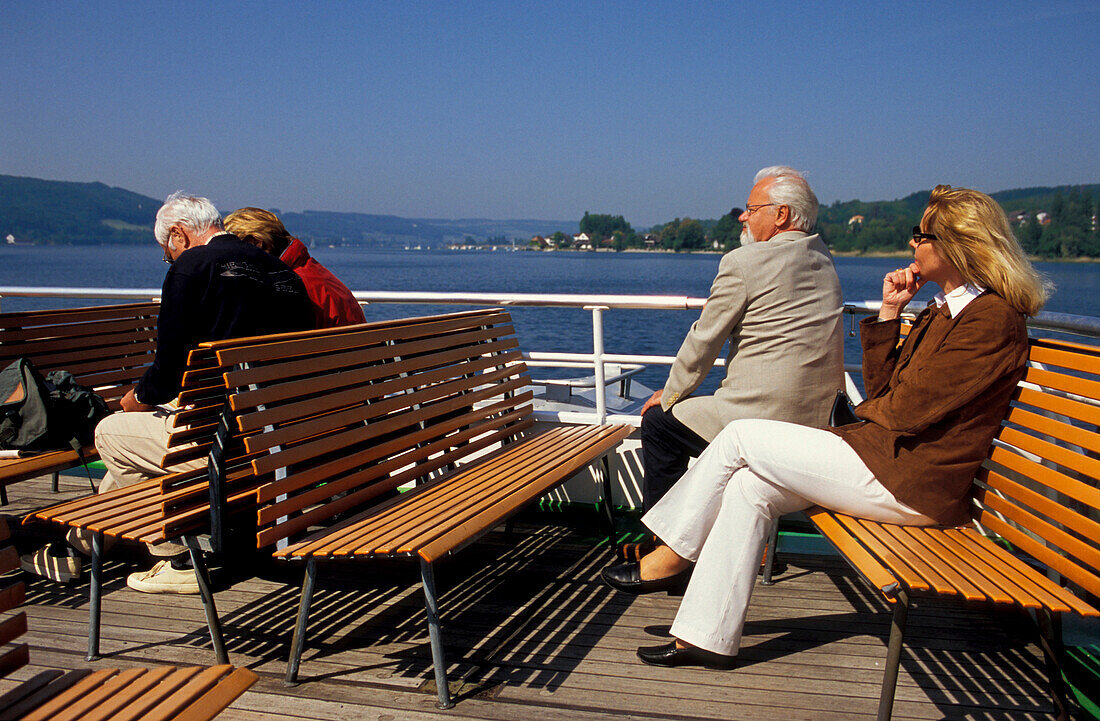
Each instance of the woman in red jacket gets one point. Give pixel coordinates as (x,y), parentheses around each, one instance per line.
(934,403)
(333,303)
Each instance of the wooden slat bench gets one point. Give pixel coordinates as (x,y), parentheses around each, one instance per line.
(169,693)
(343,421)
(1035,540)
(450,365)
(106,348)
(177,505)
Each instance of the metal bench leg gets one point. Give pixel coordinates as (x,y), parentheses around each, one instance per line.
(94,593)
(298,642)
(893,656)
(606,502)
(203,578)
(56,480)
(769,552)
(427,576)
(1050,640)
(3,495)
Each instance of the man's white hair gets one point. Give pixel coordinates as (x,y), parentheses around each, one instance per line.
(791,189)
(198,214)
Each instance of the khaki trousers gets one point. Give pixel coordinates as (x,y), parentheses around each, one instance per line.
(132,446)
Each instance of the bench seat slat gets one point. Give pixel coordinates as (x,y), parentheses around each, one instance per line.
(102,695)
(876,574)
(13,470)
(946,552)
(401,530)
(1040,552)
(65,512)
(434,519)
(519,498)
(901,571)
(920,540)
(1038,587)
(908,551)
(1005,590)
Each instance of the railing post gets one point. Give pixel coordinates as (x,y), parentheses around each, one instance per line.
(597,361)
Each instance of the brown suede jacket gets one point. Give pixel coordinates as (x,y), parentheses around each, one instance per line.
(935,401)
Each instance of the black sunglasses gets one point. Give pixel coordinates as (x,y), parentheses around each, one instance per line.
(919,237)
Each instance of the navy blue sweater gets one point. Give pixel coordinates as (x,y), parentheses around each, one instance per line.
(224,289)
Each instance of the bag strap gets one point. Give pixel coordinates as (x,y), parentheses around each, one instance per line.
(75,443)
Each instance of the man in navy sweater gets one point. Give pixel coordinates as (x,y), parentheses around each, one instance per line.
(217,287)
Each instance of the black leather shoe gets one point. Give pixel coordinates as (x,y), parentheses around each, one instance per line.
(668,655)
(626,577)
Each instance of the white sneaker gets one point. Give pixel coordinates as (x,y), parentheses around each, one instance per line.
(162,578)
(56,568)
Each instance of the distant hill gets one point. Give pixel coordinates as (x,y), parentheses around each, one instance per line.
(57,212)
(1052,222)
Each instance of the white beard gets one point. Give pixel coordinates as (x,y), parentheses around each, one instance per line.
(746,235)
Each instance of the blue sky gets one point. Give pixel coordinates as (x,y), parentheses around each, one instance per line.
(546,110)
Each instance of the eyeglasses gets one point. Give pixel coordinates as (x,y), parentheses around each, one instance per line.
(167,258)
(750,209)
(919,237)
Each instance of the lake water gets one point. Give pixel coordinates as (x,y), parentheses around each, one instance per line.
(539,329)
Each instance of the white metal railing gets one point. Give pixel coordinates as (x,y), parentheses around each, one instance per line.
(597,305)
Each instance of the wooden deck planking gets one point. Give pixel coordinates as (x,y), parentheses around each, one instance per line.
(536,634)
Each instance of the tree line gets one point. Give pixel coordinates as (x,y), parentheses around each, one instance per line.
(1049,223)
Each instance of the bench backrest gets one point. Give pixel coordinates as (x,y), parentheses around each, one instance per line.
(106,348)
(1039,488)
(339,421)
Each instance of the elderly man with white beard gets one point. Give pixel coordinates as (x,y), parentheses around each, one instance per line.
(777,301)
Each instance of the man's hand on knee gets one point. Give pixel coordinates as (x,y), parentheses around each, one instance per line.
(654,400)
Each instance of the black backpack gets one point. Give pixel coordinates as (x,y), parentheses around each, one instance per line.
(38,415)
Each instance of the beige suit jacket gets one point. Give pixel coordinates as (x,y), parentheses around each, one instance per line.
(778,303)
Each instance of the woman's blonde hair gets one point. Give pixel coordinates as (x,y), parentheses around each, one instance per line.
(973,234)
(259,227)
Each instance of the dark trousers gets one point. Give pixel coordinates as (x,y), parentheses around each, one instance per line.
(667,444)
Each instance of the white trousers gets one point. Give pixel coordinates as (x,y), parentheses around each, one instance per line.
(719,513)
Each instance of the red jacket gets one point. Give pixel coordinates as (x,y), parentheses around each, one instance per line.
(333,303)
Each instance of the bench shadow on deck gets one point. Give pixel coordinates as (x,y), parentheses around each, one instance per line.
(535,633)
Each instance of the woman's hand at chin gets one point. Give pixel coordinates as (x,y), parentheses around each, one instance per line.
(898,288)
